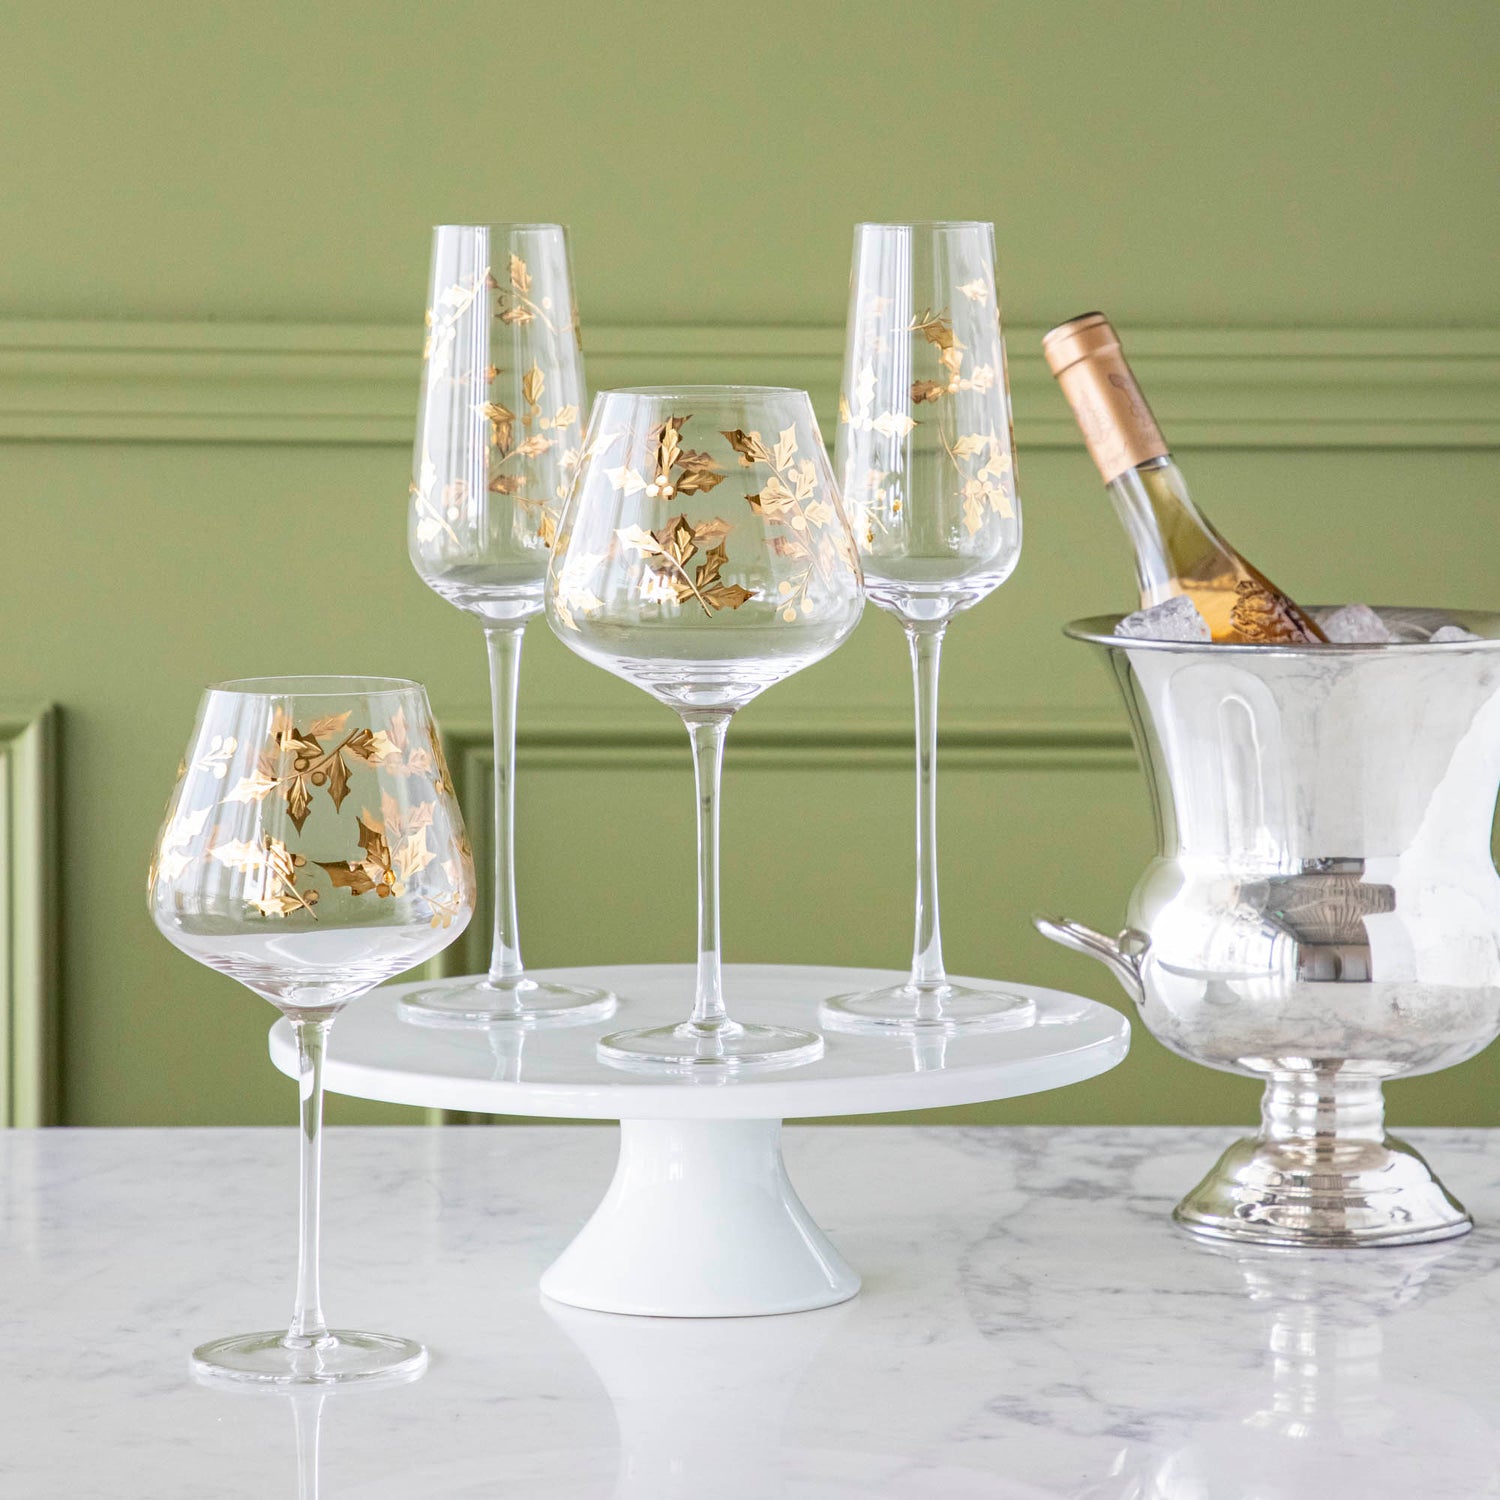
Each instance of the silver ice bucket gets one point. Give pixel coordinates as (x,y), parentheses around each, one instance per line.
(1323,912)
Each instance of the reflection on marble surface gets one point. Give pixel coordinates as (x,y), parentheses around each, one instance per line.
(1031,1326)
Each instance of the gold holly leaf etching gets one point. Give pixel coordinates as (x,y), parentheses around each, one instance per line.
(300,761)
(749,447)
(789,497)
(445,906)
(986,490)
(514,304)
(215,760)
(174,854)
(542,435)
(676,470)
(270,869)
(533,383)
(936,328)
(393,850)
(432,515)
(502,425)
(861,415)
(671,550)
(443,317)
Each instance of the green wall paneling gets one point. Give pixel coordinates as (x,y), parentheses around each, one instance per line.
(29,1010)
(216,232)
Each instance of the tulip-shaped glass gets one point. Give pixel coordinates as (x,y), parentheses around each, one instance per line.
(312,848)
(926,463)
(497,441)
(704,555)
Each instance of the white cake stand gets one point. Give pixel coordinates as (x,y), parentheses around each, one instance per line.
(701,1219)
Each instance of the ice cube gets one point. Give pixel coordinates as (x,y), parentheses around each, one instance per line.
(1176,620)
(1354,625)
(1453,633)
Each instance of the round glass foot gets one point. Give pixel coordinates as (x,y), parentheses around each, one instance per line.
(726,1050)
(946,1010)
(525,1003)
(341,1358)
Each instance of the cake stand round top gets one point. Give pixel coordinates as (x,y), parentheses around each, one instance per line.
(375,1054)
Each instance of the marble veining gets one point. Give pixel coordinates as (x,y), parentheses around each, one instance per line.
(1031,1326)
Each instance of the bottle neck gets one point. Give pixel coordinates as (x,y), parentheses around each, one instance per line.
(1175,546)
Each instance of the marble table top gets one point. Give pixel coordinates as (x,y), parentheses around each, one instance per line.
(1031,1325)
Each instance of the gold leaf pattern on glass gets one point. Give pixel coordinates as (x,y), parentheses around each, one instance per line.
(514,303)
(297,763)
(175,853)
(394,850)
(574,586)
(670,551)
(442,320)
(982,462)
(861,414)
(216,758)
(988,486)
(542,433)
(435,517)
(789,497)
(271,871)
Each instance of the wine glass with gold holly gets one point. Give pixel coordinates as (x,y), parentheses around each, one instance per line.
(703,555)
(926,461)
(312,848)
(498,435)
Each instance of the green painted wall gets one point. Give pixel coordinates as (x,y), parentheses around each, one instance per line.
(185,503)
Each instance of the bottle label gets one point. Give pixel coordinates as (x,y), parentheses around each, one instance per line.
(1117,424)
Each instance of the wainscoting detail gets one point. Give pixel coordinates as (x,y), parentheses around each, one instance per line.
(1057,740)
(28,917)
(357,383)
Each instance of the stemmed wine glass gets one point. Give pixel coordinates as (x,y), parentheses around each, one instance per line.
(926,461)
(497,441)
(312,849)
(704,555)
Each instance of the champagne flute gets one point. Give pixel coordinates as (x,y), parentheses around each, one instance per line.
(926,461)
(704,555)
(497,441)
(312,849)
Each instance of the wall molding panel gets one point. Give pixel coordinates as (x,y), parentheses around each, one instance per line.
(28,917)
(287,383)
(1071,740)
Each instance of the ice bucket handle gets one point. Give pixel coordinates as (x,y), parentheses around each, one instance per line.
(1121,956)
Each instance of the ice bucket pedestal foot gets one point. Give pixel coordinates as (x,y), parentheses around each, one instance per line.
(1322,1174)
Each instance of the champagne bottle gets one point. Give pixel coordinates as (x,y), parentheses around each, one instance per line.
(1177,550)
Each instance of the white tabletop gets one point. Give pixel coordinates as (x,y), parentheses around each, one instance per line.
(1031,1325)
(374,1054)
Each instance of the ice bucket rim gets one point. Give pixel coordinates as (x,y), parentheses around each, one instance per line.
(1098,630)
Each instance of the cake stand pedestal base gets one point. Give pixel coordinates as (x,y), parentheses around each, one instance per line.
(700,1221)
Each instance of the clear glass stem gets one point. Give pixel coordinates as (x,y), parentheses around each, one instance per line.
(708,735)
(307,1423)
(504,643)
(927,972)
(308,1326)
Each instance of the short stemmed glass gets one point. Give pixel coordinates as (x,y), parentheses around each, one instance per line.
(312,849)
(497,441)
(926,461)
(704,555)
